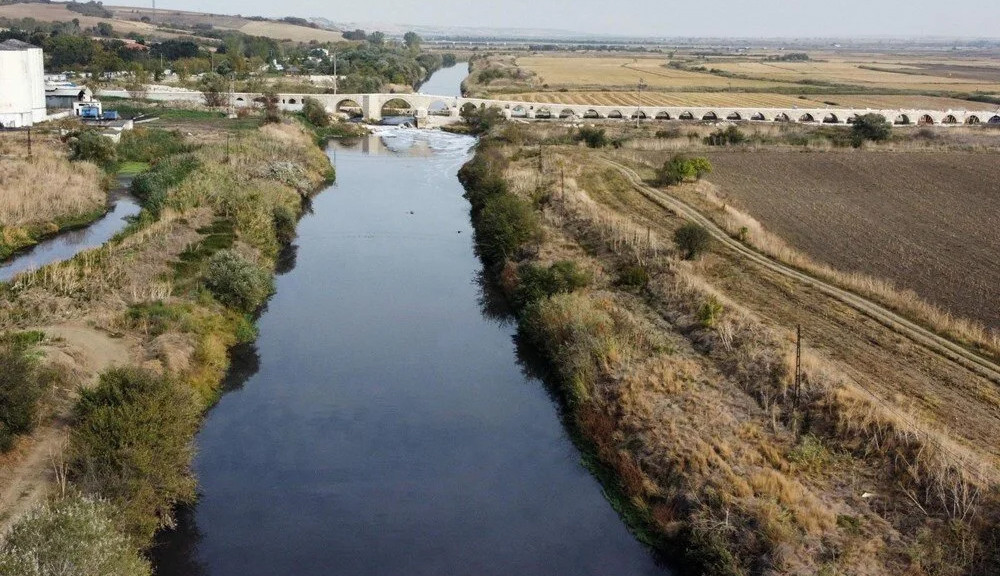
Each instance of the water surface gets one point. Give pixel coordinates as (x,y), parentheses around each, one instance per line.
(67,244)
(383,424)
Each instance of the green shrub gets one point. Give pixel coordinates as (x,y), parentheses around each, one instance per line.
(315,112)
(669,133)
(150,145)
(537,282)
(594,137)
(482,177)
(238,282)
(692,240)
(22,386)
(871,127)
(152,187)
(504,225)
(284,223)
(90,146)
(681,169)
(635,277)
(74,536)
(730,136)
(132,444)
(710,311)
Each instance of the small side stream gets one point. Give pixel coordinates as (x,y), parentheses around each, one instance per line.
(66,245)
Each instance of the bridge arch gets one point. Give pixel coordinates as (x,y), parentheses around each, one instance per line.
(345,106)
(807,117)
(615,114)
(397,107)
(591,114)
(950,119)
(663,115)
(831,118)
(994,120)
(439,108)
(973,119)
(543,112)
(758,116)
(782,117)
(902,120)
(567,113)
(734,116)
(519,111)
(925,120)
(710,117)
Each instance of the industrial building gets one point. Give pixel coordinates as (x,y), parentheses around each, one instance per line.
(22,84)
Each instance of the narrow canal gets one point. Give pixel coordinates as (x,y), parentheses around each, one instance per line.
(383,423)
(68,244)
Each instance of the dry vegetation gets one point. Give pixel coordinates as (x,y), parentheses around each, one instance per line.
(683,387)
(43,193)
(143,300)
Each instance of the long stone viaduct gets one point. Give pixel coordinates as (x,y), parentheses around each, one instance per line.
(376,106)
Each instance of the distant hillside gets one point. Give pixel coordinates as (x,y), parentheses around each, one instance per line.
(165,24)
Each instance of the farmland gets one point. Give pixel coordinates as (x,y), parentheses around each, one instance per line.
(691,360)
(925,221)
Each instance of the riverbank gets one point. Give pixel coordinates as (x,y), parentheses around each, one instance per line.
(44,194)
(679,378)
(140,329)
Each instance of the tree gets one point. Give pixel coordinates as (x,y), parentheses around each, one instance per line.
(91,146)
(692,239)
(412,41)
(21,389)
(105,29)
(138,84)
(315,112)
(680,169)
(377,39)
(872,127)
(213,89)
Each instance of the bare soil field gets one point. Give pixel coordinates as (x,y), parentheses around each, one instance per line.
(926,221)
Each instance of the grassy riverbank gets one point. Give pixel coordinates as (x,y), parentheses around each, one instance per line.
(45,193)
(679,380)
(141,328)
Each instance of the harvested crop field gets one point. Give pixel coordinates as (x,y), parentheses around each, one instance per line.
(926,221)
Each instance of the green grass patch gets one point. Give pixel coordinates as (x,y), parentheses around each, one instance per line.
(131,168)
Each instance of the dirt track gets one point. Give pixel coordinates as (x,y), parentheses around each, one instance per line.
(901,364)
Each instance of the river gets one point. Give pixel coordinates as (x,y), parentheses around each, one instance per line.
(383,422)
(65,245)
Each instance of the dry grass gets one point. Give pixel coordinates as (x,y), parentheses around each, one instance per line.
(46,187)
(700,427)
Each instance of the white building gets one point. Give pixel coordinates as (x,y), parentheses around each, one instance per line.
(22,84)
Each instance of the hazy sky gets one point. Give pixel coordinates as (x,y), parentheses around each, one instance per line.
(787,18)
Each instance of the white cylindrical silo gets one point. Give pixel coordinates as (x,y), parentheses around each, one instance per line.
(36,77)
(15,86)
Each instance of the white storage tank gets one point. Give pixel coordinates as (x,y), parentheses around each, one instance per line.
(22,84)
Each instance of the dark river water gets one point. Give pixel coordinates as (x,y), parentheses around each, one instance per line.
(383,423)
(69,244)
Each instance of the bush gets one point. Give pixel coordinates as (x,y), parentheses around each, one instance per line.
(238,282)
(730,136)
(284,223)
(681,169)
(871,127)
(636,277)
(151,187)
(482,119)
(710,311)
(505,224)
(74,536)
(537,282)
(594,137)
(482,176)
(692,240)
(132,444)
(90,146)
(150,145)
(22,386)
(669,133)
(315,112)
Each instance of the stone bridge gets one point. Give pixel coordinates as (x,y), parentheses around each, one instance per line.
(376,106)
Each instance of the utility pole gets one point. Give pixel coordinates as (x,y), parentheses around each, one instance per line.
(798,364)
(335,78)
(29,142)
(638,108)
